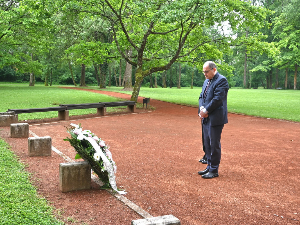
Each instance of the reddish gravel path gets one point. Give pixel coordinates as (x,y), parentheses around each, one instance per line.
(157,156)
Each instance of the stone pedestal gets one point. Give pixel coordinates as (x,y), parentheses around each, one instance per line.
(166,220)
(131,108)
(19,130)
(7,118)
(63,115)
(39,146)
(74,176)
(101,111)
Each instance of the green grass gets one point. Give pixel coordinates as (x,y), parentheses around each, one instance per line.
(21,96)
(268,103)
(19,202)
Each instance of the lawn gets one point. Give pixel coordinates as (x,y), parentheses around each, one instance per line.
(19,202)
(21,96)
(268,103)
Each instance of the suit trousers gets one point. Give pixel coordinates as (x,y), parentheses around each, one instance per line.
(212,143)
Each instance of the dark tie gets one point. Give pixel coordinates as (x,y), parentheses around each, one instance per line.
(207,86)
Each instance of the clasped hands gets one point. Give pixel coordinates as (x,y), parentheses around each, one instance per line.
(203,113)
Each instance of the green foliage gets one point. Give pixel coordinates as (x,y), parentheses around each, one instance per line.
(286,31)
(19,202)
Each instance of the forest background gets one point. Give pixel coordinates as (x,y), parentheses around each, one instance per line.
(151,43)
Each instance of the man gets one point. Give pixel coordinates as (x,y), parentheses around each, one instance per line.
(213,112)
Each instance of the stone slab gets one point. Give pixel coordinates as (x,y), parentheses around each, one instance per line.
(39,146)
(7,119)
(19,130)
(74,176)
(160,220)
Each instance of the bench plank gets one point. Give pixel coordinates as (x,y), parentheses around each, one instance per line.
(113,104)
(32,110)
(83,106)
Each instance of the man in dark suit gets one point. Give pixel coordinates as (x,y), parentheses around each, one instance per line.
(213,112)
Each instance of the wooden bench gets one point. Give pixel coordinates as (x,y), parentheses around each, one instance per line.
(63,109)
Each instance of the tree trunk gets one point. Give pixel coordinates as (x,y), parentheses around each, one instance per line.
(270,79)
(102,72)
(171,76)
(51,71)
(120,73)
(46,77)
(164,83)
(82,78)
(139,76)
(109,76)
(245,71)
(151,81)
(192,80)
(295,77)
(179,77)
(286,78)
(72,75)
(96,74)
(277,81)
(128,74)
(31,79)
(116,77)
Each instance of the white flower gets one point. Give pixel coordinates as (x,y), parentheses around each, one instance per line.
(87,132)
(80,137)
(101,143)
(108,154)
(77,131)
(97,156)
(75,125)
(96,138)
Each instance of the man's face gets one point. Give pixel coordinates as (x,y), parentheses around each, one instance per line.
(208,72)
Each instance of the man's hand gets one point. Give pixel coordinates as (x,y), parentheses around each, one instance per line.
(203,113)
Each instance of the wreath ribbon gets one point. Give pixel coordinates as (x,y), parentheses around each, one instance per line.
(107,164)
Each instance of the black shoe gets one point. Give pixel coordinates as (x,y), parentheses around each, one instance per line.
(203,160)
(203,172)
(210,175)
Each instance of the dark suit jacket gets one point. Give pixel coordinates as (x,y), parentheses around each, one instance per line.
(216,100)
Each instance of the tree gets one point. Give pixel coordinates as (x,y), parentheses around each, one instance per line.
(161,33)
(287,31)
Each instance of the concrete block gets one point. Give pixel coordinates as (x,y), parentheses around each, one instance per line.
(160,220)
(63,115)
(19,130)
(39,146)
(101,111)
(131,108)
(74,176)
(7,119)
